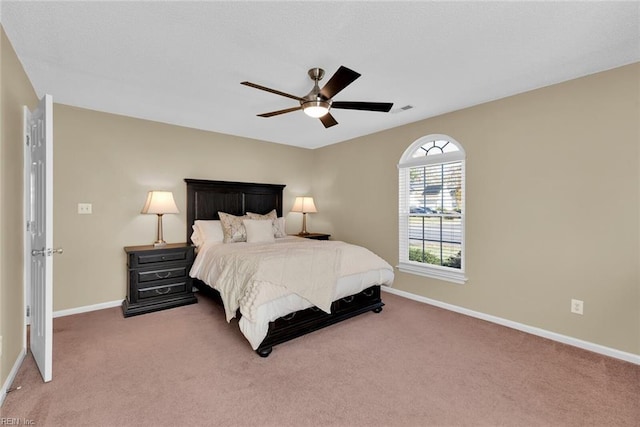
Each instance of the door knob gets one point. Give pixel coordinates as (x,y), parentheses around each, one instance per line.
(46,252)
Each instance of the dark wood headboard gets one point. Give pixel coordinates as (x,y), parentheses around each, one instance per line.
(206,198)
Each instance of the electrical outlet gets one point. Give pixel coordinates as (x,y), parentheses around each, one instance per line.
(577,306)
(84,208)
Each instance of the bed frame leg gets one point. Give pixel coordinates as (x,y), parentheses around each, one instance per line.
(264,352)
(377,310)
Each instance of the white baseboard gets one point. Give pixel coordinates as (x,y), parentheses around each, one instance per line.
(12,375)
(586,345)
(87,308)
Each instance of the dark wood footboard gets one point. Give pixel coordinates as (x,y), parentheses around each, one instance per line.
(302,322)
(311,319)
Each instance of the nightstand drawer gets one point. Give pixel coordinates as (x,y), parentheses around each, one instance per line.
(161,274)
(163,290)
(147,258)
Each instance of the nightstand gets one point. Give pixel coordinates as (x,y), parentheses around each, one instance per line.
(158,278)
(315,236)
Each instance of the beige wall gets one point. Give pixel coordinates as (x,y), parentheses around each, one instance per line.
(553,184)
(15,92)
(112,161)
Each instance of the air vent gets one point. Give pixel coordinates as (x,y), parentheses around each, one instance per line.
(401,109)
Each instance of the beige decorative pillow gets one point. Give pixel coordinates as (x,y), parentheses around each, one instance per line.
(278,223)
(279,227)
(271,215)
(233,228)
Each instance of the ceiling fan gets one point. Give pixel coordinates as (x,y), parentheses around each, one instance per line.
(318,102)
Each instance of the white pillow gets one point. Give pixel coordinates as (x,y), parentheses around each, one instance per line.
(258,230)
(207,231)
(196,236)
(278,223)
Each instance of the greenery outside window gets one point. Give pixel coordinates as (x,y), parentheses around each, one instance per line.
(431,209)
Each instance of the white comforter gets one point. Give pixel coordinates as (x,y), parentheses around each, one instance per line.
(248,275)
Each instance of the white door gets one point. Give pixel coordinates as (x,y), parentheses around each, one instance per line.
(39,207)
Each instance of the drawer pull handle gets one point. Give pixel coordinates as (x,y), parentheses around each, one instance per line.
(367,294)
(162,292)
(348,299)
(289,317)
(163,275)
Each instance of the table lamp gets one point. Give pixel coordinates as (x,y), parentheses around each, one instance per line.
(160,203)
(304,205)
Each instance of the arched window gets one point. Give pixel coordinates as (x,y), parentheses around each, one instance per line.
(431,208)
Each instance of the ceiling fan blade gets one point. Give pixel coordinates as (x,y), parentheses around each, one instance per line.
(276,113)
(341,79)
(328,120)
(277,92)
(367,106)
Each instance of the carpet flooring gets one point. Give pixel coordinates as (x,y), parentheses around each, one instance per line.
(411,365)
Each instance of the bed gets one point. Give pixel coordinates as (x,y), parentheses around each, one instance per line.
(285,315)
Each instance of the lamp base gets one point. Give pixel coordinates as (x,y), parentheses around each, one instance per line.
(304,231)
(159,243)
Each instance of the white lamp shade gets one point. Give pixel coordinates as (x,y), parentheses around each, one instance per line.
(304,205)
(160,202)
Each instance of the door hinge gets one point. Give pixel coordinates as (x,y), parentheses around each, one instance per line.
(28,311)
(28,225)
(28,140)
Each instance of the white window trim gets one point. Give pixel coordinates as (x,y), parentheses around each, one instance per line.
(433,271)
(407,161)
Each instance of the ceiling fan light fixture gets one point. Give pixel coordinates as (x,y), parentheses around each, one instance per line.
(316,108)
(318,102)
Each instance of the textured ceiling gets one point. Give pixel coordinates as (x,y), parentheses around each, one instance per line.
(182,62)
